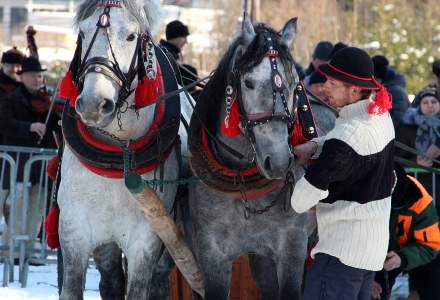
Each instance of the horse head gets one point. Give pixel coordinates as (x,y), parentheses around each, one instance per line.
(113,39)
(264,95)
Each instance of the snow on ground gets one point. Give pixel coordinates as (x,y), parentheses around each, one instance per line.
(42,285)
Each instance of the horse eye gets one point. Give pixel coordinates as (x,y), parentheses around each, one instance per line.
(81,33)
(131,37)
(249,84)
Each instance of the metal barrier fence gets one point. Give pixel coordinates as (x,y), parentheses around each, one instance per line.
(27,192)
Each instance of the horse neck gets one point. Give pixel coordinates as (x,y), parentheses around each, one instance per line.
(240,144)
(134,125)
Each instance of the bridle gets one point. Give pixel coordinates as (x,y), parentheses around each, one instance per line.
(249,121)
(111,68)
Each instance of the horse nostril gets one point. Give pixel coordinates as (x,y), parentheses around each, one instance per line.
(267,164)
(107,106)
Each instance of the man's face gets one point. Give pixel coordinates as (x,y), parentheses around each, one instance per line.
(179,42)
(317,89)
(32,81)
(11,70)
(338,93)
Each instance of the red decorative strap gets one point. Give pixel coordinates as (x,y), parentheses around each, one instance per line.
(230,126)
(103,146)
(223,169)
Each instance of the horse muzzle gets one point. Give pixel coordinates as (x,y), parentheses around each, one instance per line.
(95,111)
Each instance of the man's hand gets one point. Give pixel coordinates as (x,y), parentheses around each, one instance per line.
(38,128)
(376,290)
(433,151)
(304,152)
(393,261)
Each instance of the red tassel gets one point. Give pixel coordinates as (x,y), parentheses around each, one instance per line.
(52,167)
(232,128)
(383,101)
(51,227)
(68,89)
(297,135)
(147,91)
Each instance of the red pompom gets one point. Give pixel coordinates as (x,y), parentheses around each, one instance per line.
(147,91)
(231,127)
(383,101)
(51,227)
(52,167)
(68,89)
(297,134)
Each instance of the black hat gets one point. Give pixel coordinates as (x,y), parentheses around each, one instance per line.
(317,77)
(176,29)
(12,56)
(436,67)
(338,46)
(380,63)
(31,64)
(322,50)
(353,66)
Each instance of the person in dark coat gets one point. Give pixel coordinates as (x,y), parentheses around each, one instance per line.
(320,55)
(176,38)
(414,235)
(11,65)
(396,86)
(22,123)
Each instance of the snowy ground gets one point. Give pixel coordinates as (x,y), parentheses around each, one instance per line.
(42,285)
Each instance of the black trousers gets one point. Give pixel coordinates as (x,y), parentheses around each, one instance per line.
(426,280)
(329,279)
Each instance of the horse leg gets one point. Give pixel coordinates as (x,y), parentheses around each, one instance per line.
(108,259)
(216,269)
(75,259)
(160,279)
(264,274)
(140,265)
(290,268)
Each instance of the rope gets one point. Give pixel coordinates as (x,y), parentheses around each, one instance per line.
(153,182)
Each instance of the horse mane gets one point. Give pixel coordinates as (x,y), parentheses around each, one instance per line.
(148,13)
(214,93)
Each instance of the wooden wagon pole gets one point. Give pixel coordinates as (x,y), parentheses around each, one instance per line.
(167,231)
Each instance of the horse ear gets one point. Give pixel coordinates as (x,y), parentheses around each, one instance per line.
(288,33)
(154,14)
(247,32)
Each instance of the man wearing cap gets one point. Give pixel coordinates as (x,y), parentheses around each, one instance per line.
(11,65)
(350,182)
(22,123)
(176,38)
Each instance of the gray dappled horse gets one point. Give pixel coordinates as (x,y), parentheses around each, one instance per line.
(226,223)
(98,215)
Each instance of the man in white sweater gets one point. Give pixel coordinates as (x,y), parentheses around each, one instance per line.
(350,182)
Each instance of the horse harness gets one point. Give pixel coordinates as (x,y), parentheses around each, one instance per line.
(150,151)
(249,183)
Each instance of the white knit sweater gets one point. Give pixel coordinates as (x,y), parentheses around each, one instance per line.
(350,184)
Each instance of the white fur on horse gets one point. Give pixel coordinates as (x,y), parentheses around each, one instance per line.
(172,237)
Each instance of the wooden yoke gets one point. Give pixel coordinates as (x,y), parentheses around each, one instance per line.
(172,237)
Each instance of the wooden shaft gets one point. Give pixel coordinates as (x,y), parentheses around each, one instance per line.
(172,237)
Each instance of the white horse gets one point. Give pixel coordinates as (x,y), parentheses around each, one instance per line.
(96,211)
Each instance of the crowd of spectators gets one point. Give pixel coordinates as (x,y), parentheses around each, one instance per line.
(414,232)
